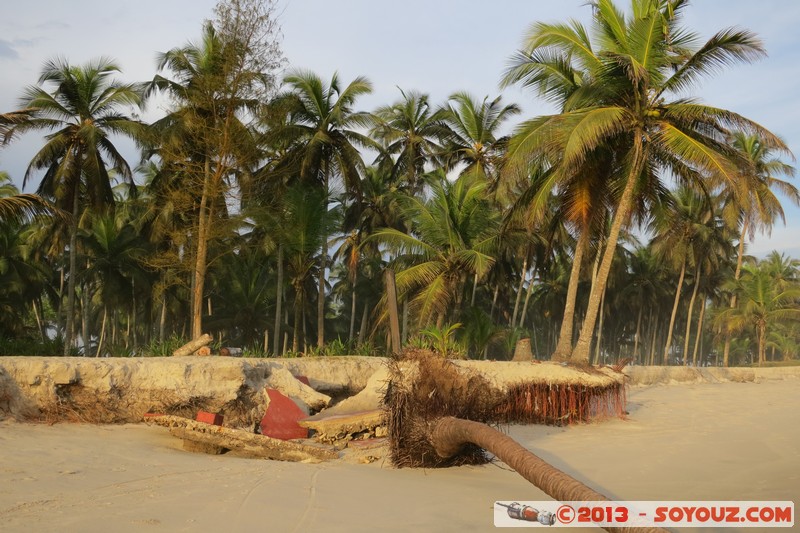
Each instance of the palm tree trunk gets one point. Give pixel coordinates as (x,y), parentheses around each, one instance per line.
(102,336)
(527,299)
(450,434)
(162,323)
(674,312)
(323,263)
(494,300)
(321,296)
(564,346)
(581,352)
(362,331)
(60,315)
(38,318)
(699,334)
(600,327)
(298,302)
(650,328)
(474,290)
(69,328)
(133,314)
(519,291)
(636,335)
(200,266)
(353,311)
(739,259)
(404,330)
(278,294)
(689,314)
(85,335)
(762,344)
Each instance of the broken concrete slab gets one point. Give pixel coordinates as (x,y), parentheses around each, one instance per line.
(368,399)
(337,427)
(244,442)
(304,396)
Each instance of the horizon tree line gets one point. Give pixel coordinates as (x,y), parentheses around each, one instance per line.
(258,218)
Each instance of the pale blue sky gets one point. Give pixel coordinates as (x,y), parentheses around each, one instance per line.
(438,47)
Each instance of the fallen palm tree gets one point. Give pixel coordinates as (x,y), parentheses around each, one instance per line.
(437,413)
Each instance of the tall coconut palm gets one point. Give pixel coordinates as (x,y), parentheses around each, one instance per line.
(380,207)
(25,280)
(763,303)
(632,67)
(756,207)
(113,249)
(83,106)
(451,239)
(323,129)
(646,288)
(410,132)
(474,139)
(305,221)
(584,196)
(680,229)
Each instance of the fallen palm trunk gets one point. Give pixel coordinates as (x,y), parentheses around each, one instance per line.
(192,346)
(436,413)
(449,435)
(249,443)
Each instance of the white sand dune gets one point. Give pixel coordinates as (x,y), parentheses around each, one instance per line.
(726,441)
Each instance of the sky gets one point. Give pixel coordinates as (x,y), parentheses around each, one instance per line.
(437,47)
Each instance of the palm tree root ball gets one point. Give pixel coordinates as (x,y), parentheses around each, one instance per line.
(438,415)
(425,387)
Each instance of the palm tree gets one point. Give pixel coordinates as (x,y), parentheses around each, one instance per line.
(680,228)
(84,108)
(785,270)
(243,290)
(113,249)
(756,207)
(785,342)
(16,207)
(305,220)
(24,280)
(451,240)
(410,132)
(380,207)
(474,139)
(322,130)
(628,72)
(764,302)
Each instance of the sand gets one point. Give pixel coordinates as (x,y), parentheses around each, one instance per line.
(710,441)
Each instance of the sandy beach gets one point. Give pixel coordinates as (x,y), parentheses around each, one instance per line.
(726,441)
